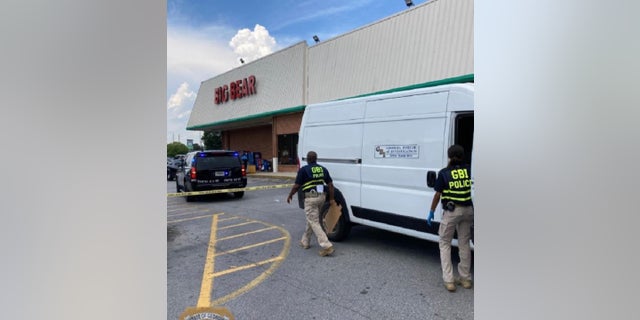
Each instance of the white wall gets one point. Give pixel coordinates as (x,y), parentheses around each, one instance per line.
(280,84)
(430,42)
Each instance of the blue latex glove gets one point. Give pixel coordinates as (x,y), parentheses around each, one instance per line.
(429,218)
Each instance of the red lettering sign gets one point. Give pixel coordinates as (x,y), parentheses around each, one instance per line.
(232,91)
(239,89)
(252,85)
(245,92)
(236,90)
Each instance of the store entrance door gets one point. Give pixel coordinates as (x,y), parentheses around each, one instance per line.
(287,149)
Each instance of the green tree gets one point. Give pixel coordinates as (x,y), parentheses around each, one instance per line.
(175,148)
(197,147)
(212,140)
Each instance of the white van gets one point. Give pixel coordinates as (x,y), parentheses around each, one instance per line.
(383,152)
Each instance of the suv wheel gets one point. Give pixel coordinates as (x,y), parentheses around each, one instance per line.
(188,198)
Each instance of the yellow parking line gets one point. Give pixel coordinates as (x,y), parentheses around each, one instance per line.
(230,218)
(184,214)
(249,247)
(246,233)
(194,218)
(283,254)
(239,224)
(209,274)
(204,300)
(248,266)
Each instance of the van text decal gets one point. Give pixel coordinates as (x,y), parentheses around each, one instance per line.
(402,151)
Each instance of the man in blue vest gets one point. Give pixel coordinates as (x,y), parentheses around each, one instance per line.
(453,190)
(315,182)
(245,159)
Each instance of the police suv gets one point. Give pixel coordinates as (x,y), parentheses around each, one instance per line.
(211,170)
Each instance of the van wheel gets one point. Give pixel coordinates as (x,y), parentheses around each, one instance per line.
(343,226)
(238,194)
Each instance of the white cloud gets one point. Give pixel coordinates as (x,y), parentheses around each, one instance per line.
(178,110)
(252,45)
(193,55)
(177,100)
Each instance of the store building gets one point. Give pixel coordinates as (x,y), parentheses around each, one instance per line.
(258,106)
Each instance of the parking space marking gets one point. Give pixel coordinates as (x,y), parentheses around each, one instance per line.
(186,213)
(230,218)
(209,274)
(249,247)
(237,225)
(204,300)
(192,218)
(247,233)
(247,266)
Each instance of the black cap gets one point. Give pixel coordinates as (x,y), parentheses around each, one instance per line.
(456,152)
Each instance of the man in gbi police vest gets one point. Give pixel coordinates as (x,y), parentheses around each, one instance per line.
(453,187)
(311,180)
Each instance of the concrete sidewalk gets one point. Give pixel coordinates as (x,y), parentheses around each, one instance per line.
(279,175)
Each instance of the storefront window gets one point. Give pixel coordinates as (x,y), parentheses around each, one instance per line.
(287,148)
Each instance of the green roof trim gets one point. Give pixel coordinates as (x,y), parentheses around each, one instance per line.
(251,117)
(459,79)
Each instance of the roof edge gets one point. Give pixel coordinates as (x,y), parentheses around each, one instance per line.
(458,79)
(247,118)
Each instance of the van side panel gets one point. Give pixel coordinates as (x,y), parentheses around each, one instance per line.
(335,133)
(460,99)
(334,112)
(403,138)
(407,106)
(379,149)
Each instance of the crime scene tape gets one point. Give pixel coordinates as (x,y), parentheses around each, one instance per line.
(198,193)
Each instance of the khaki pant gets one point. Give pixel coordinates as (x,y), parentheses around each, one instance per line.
(461,220)
(312,211)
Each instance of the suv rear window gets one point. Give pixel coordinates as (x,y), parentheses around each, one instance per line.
(210,161)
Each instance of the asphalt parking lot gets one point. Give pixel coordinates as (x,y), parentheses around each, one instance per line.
(242,254)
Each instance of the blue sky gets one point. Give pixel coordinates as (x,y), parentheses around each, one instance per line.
(208,37)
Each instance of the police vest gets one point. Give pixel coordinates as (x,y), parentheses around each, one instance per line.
(315,174)
(457,185)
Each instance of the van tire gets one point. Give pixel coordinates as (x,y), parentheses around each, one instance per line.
(343,227)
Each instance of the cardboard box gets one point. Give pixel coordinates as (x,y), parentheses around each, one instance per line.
(335,210)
